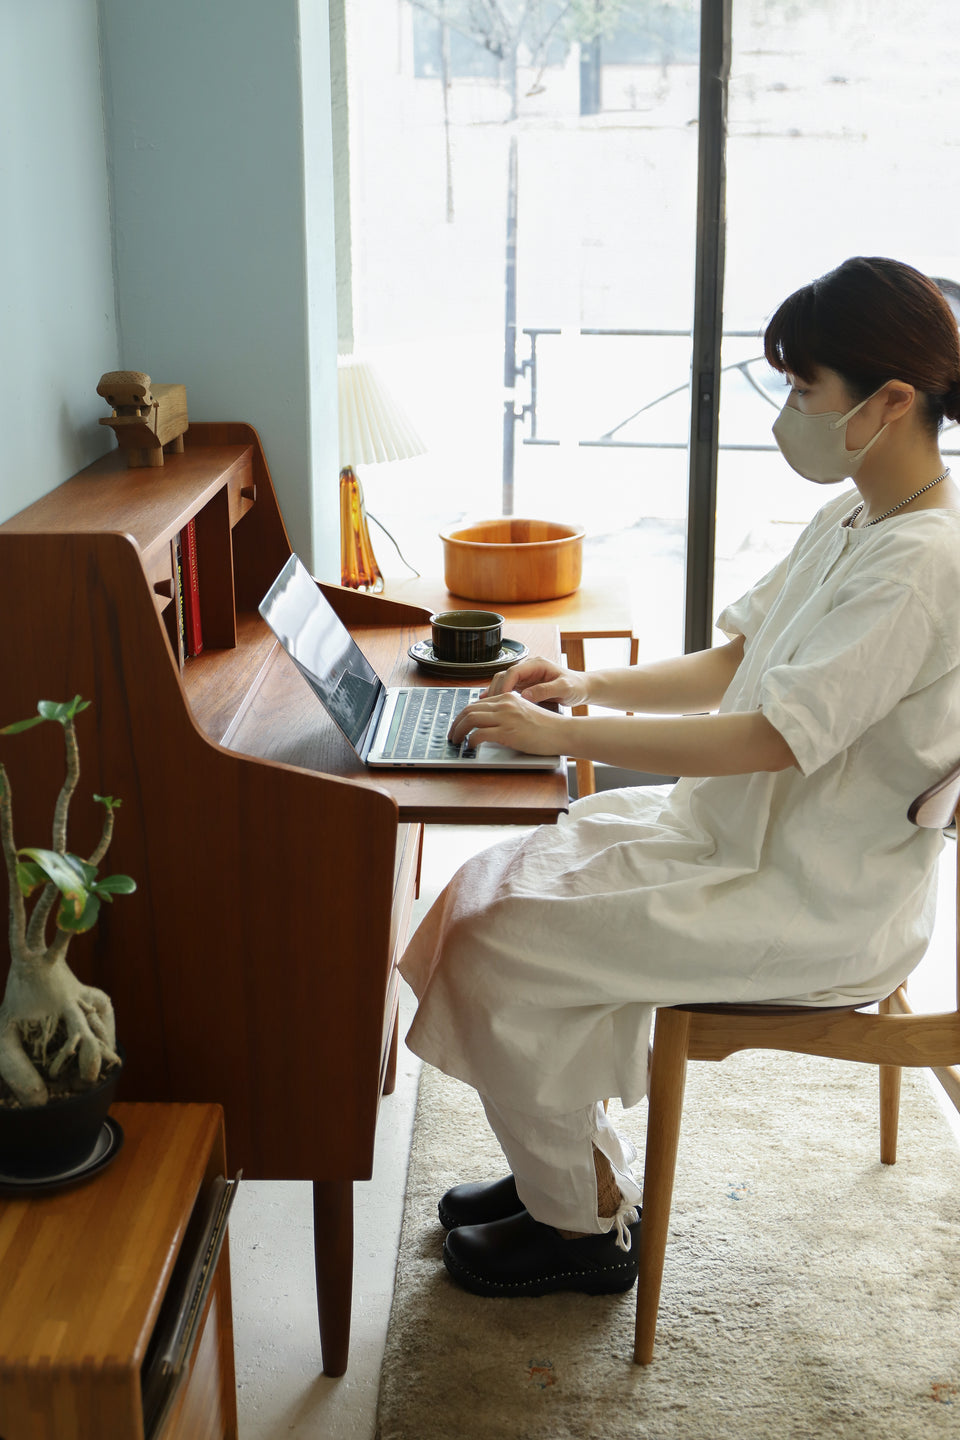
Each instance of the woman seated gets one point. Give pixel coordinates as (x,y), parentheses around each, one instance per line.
(781,867)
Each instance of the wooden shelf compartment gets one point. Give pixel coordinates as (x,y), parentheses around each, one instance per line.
(220,683)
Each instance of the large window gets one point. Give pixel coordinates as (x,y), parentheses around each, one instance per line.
(525,231)
(842,140)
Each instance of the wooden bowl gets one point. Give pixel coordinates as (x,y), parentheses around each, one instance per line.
(512,560)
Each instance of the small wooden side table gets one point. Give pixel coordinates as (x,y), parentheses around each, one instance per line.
(91,1273)
(598,610)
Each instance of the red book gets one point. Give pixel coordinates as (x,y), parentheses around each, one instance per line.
(191,588)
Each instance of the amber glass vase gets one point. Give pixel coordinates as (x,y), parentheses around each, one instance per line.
(358,564)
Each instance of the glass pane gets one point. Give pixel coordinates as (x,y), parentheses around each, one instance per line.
(604,129)
(843,119)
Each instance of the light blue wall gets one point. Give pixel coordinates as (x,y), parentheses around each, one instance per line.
(218,137)
(321,281)
(58,330)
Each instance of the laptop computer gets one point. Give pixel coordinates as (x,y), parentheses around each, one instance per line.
(401,725)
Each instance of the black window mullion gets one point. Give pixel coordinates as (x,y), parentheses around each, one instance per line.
(715,32)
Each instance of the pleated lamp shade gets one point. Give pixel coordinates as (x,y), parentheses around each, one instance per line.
(372,426)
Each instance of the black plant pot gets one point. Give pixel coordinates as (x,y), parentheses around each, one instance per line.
(41,1141)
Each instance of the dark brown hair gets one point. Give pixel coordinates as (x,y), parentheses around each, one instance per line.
(872,320)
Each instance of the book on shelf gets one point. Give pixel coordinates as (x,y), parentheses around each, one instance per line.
(190,589)
(178,630)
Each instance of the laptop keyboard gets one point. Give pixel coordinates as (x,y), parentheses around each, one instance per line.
(420,723)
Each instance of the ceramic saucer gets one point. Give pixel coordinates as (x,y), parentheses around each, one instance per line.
(108,1144)
(510,652)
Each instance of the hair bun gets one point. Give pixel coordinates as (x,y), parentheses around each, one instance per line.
(951,401)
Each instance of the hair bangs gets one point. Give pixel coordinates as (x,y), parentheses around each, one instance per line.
(790,339)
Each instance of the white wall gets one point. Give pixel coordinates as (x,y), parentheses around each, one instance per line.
(58,329)
(218,134)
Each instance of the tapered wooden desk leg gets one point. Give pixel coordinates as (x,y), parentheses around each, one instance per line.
(333,1252)
(390,1079)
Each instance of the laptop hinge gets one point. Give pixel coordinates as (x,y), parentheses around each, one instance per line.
(373,724)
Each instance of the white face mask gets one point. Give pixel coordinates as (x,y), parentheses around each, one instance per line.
(815,445)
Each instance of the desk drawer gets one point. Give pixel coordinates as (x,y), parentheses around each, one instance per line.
(241,490)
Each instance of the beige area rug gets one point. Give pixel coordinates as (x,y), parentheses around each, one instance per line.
(809,1291)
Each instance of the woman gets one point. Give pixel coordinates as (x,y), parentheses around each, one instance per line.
(781,867)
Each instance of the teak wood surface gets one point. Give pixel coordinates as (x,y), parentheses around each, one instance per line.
(255,965)
(85,1271)
(286,723)
(513,559)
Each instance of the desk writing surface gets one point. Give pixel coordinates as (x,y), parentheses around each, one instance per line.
(286,723)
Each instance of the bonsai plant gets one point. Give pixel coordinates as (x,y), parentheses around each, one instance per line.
(57,1036)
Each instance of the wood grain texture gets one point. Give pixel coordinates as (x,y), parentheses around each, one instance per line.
(240,971)
(255,964)
(512,560)
(85,1272)
(285,723)
(109,497)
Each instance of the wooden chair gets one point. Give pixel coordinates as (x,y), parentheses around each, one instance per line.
(892,1038)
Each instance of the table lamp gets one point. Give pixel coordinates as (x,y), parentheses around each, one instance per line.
(372,429)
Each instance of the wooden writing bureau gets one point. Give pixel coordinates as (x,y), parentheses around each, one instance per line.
(255,965)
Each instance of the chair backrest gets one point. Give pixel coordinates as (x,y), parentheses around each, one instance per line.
(936,807)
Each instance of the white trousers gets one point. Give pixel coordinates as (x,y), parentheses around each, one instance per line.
(551,1157)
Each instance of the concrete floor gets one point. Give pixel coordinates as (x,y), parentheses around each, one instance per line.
(281,1392)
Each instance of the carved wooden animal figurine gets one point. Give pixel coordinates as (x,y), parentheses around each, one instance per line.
(147,421)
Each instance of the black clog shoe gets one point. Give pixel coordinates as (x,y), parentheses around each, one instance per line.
(519,1256)
(479,1204)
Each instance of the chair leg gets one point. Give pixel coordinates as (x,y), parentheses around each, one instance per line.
(668,1074)
(333,1254)
(889,1103)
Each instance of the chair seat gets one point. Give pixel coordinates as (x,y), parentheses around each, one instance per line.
(768,1009)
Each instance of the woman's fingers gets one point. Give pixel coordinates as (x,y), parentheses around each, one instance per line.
(537,679)
(527,672)
(548,690)
(470,718)
(508,720)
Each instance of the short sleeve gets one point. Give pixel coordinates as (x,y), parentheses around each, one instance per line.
(746,615)
(875,645)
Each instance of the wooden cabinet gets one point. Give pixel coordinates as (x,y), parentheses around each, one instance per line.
(254,967)
(93,1278)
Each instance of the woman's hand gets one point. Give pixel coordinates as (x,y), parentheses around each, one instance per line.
(537,679)
(510,720)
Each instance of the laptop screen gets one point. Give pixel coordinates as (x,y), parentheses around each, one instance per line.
(322,649)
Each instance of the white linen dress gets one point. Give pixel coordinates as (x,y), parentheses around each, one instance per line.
(538,968)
